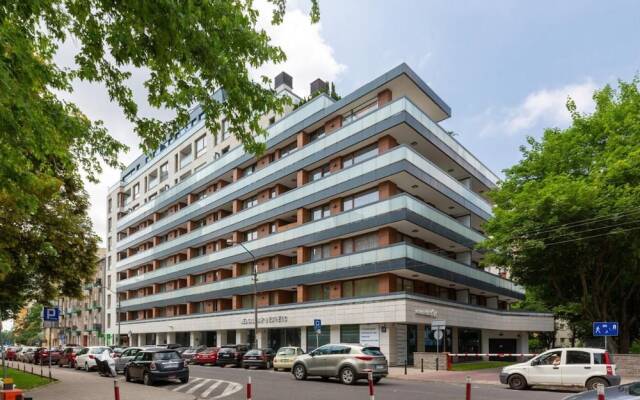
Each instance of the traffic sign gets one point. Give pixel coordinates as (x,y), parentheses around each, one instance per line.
(605,329)
(438,335)
(317,325)
(437,324)
(51,314)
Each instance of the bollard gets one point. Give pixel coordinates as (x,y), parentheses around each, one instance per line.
(31,369)
(600,391)
(422,365)
(405,366)
(249,388)
(468,388)
(437,363)
(116,389)
(370,378)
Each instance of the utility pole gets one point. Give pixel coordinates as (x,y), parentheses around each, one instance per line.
(255,293)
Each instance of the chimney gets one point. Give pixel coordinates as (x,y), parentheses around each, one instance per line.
(318,86)
(283,81)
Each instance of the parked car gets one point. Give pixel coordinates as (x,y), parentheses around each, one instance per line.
(259,358)
(629,391)
(41,354)
(117,351)
(231,354)
(87,359)
(207,356)
(11,352)
(125,357)
(26,354)
(285,356)
(68,356)
(158,364)
(347,362)
(190,352)
(180,350)
(584,367)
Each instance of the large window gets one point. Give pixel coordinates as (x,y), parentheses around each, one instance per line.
(136,191)
(250,235)
(164,171)
(360,156)
(318,292)
(320,252)
(201,145)
(320,212)
(313,340)
(578,357)
(288,149)
(360,199)
(250,202)
(319,173)
(249,170)
(317,134)
(224,131)
(366,287)
(404,285)
(360,243)
(349,333)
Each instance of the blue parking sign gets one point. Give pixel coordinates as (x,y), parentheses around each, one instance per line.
(51,314)
(317,325)
(605,329)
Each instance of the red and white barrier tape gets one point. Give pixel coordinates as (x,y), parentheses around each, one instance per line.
(492,354)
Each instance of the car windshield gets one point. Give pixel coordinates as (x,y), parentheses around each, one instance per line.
(211,350)
(372,351)
(227,350)
(287,352)
(97,350)
(166,355)
(253,352)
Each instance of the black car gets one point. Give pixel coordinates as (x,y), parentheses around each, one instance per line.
(231,354)
(260,358)
(154,365)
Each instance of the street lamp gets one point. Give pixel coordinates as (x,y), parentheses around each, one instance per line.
(255,292)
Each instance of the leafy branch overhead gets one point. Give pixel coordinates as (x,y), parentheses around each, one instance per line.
(189,49)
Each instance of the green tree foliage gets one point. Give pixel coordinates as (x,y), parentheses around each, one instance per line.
(567,216)
(189,48)
(28,331)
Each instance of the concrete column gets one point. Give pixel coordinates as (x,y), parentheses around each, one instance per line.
(334,336)
(160,337)
(130,336)
(420,341)
(454,339)
(484,341)
(242,336)
(303,338)
(141,339)
(465,220)
(523,342)
(221,338)
(464,257)
(194,339)
(170,337)
(262,338)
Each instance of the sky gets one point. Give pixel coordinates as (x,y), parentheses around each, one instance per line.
(506,68)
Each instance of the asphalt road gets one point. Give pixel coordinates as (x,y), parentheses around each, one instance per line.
(272,385)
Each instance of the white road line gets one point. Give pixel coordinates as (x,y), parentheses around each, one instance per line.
(187,384)
(230,389)
(211,388)
(198,386)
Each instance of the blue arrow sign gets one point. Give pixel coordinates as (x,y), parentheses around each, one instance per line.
(317,325)
(605,329)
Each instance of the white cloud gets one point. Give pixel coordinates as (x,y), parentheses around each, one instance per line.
(540,109)
(309,56)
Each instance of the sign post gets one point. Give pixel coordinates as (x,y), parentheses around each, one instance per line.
(438,326)
(50,318)
(605,329)
(317,325)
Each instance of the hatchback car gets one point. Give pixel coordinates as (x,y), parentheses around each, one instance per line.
(207,356)
(285,357)
(26,354)
(86,358)
(125,357)
(259,358)
(68,357)
(231,355)
(583,367)
(189,353)
(151,366)
(347,362)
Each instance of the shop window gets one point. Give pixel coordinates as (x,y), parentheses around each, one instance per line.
(444,344)
(316,340)
(350,333)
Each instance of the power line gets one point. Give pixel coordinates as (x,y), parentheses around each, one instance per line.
(595,229)
(591,237)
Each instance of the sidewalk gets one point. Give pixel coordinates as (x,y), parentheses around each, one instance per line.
(483,376)
(79,385)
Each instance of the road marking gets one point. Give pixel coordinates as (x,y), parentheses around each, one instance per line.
(187,384)
(198,386)
(211,388)
(230,389)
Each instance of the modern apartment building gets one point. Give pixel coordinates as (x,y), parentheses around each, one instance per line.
(363,213)
(82,320)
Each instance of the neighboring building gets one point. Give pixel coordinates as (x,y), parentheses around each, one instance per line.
(82,320)
(363,213)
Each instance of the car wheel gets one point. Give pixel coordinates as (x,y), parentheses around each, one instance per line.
(347,376)
(184,380)
(126,375)
(299,372)
(593,382)
(517,382)
(147,379)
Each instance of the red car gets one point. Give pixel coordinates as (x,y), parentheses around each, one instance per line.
(42,354)
(207,356)
(11,353)
(68,357)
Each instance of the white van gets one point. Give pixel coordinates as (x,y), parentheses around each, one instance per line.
(563,367)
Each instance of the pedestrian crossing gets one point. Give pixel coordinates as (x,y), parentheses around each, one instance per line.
(205,388)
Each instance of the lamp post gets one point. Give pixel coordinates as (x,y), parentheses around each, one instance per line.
(255,293)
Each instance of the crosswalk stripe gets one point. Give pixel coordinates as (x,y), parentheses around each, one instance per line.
(192,381)
(198,386)
(211,388)
(229,390)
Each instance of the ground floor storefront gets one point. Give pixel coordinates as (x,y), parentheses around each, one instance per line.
(399,324)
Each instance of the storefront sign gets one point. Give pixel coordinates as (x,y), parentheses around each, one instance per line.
(370,335)
(428,312)
(280,319)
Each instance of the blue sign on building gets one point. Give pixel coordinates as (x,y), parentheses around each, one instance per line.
(51,314)
(317,325)
(605,329)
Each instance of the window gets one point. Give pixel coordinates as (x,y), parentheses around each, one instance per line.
(201,145)
(109,243)
(319,292)
(108,321)
(225,150)
(366,287)
(314,340)
(108,301)
(273,228)
(224,134)
(317,134)
(164,171)
(109,224)
(273,193)
(578,357)
(249,170)
(288,149)
(549,358)
(250,235)
(360,243)
(347,289)
(602,358)
(319,173)
(250,202)
(360,156)
(404,285)
(109,205)
(136,191)
(320,252)
(153,196)
(109,282)
(320,212)
(349,333)
(360,200)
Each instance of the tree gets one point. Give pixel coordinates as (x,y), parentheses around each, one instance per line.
(567,216)
(189,48)
(28,331)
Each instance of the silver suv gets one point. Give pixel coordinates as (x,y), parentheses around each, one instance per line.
(347,362)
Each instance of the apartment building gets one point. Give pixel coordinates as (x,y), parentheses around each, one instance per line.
(82,320)
(363,213)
